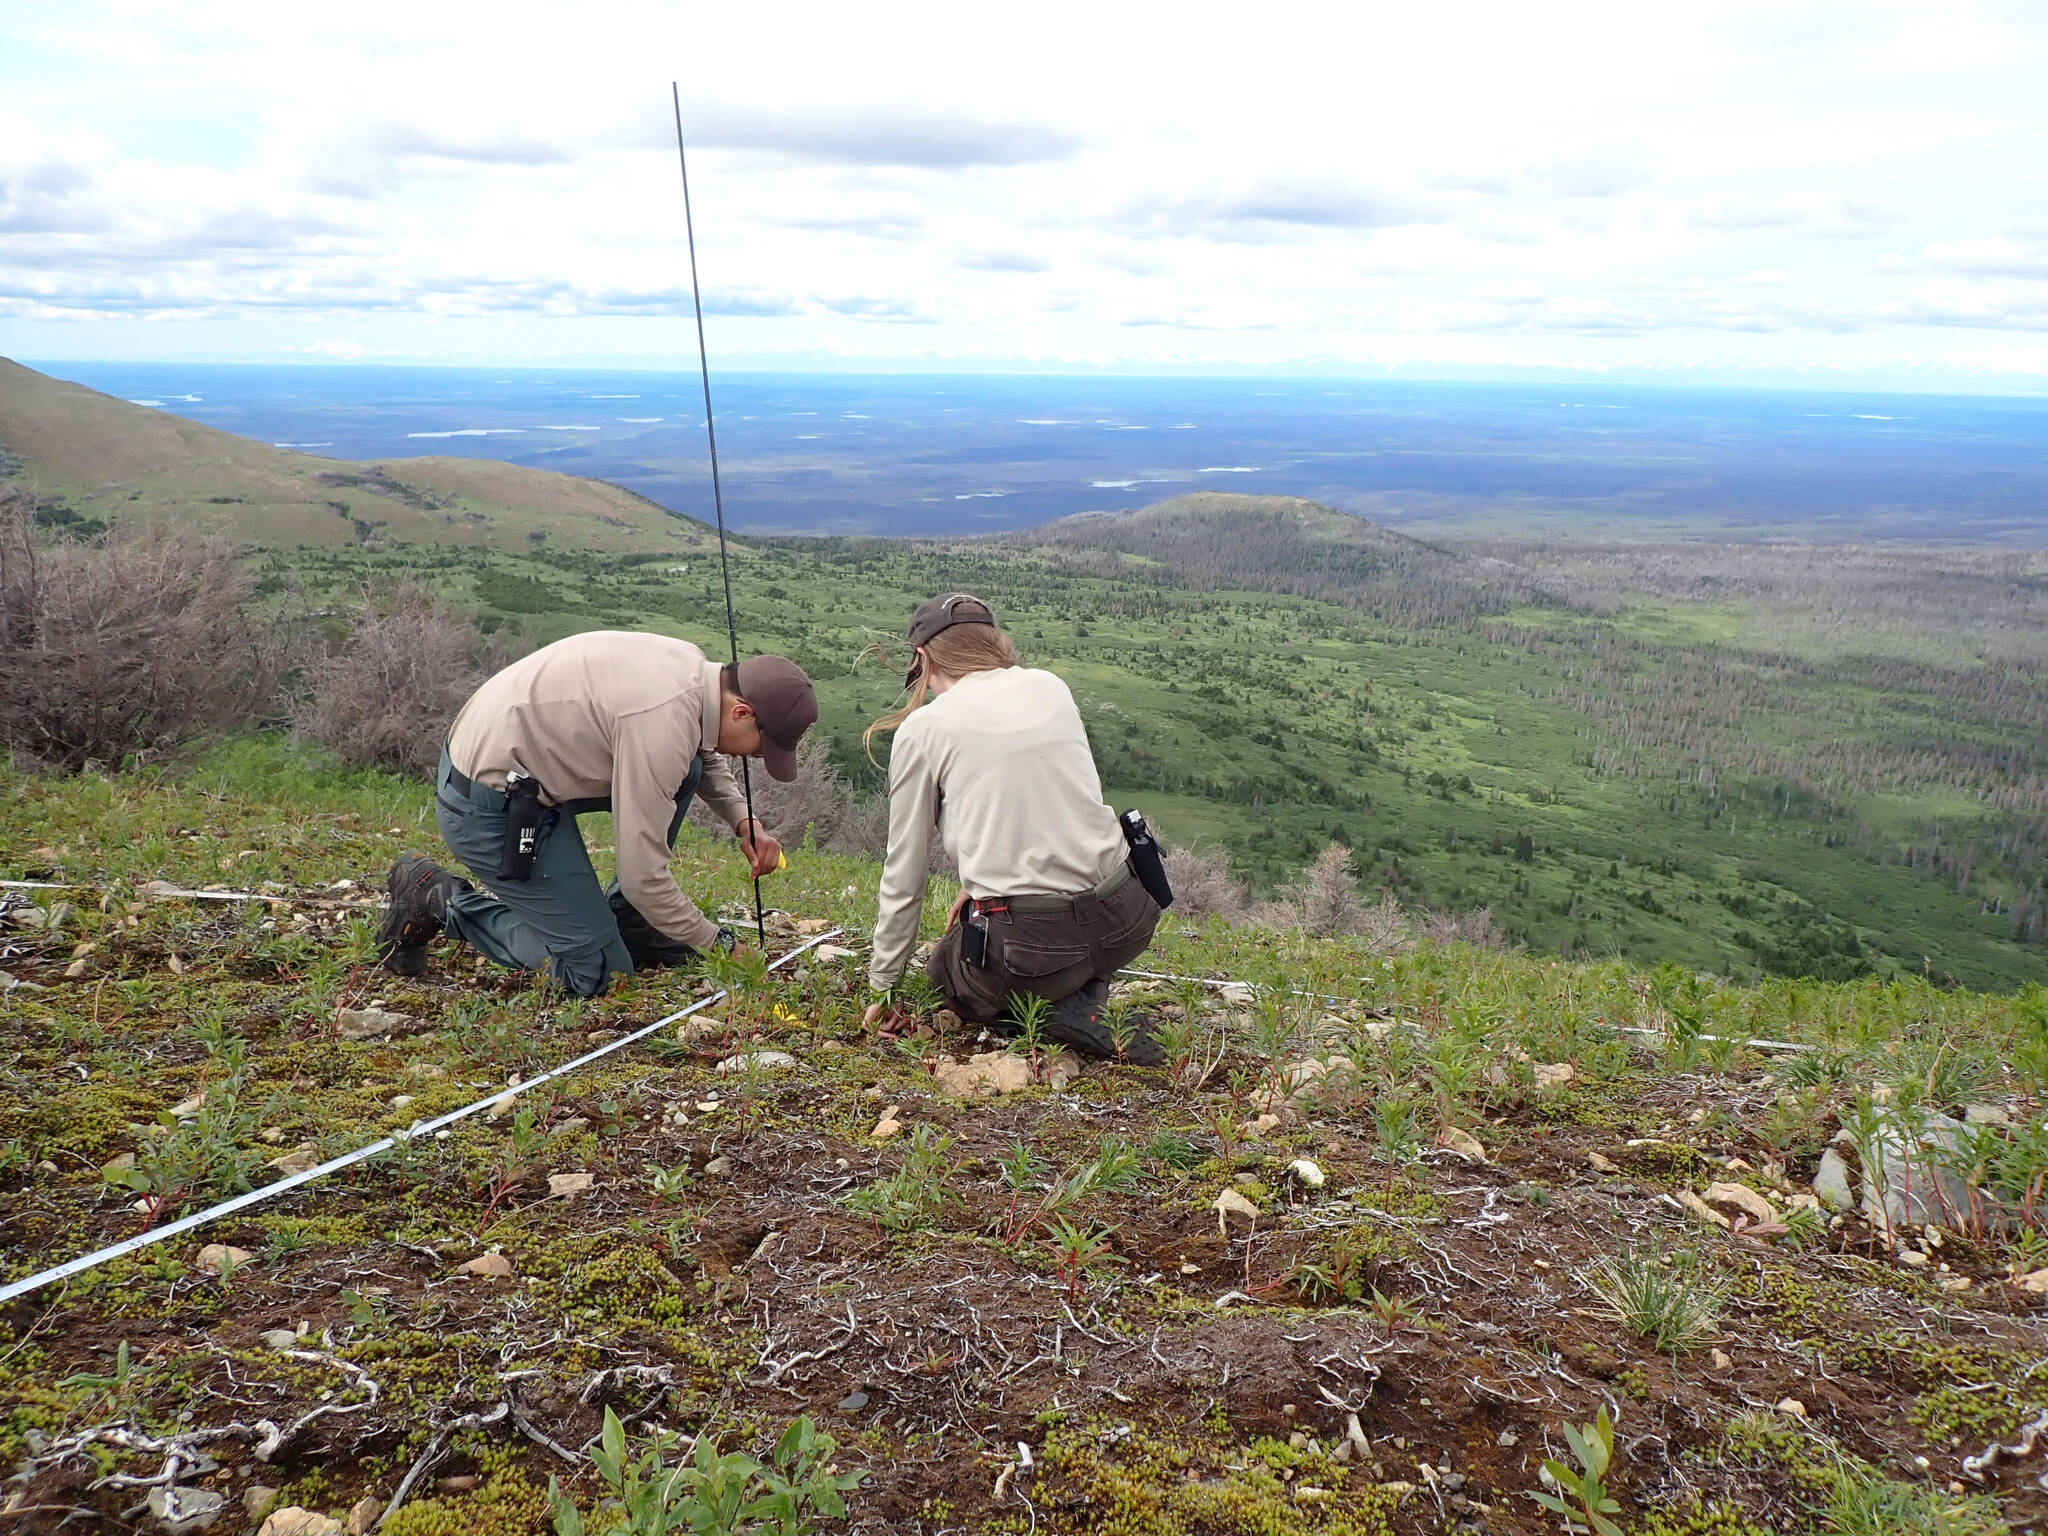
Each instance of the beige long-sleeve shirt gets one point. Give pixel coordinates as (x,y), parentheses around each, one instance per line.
(611,714)
(1022,811)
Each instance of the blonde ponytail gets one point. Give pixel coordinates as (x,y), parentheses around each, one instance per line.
(957,652)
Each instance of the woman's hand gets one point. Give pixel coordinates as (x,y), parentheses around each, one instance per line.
(763,852)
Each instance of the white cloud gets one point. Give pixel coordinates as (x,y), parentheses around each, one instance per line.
(1618,184)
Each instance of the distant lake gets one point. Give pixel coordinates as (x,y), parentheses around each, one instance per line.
(951,454)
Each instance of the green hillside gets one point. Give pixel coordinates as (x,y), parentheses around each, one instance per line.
(97,460)
(1609,775)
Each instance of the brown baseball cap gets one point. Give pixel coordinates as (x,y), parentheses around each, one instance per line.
(785,705)
(942,613)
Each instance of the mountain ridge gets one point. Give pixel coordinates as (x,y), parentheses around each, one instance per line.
(88,455)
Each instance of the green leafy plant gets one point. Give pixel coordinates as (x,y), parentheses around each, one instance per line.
(1582,1496)
(1076,1252)
(914,1195)
(668,1183)
(712,1493)
(1652,1295)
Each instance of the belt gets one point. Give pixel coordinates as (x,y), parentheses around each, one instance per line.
(468,788)
(1042,903)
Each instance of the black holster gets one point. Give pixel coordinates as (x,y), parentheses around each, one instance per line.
(522,826)
(1147,862)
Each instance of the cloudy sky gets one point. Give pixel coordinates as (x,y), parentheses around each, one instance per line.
(1848,193)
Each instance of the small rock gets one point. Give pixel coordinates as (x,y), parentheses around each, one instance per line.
(491,1266)
(402,1101)
(1196,1269)
(1464,1143)
(572,1125)
(983,1076)
(1977,1114)
(1601,1164)
(502,1106)
(363,1514)
(1955,1282)
(217,1258)
(1831,1184)
(179,1510)
(700,1029)
(460,1482)
(1507,1440)
(1699,1210)
(888,1127)
(570,1184)
(301,1160)
(1723,1361)
(2035,1281)
(1791,1407)
(945,1021)
(1261,1126)
(1306,1173)
(1062,1071)
(1231,1203)
(758,1061)
(295,1521)
(831,952)
(257,1499)
(1740,1200)
(1554,1074)
(9,982)
(119,1162)
(48,1169)
(370,1023)
(189,1109)
(1913,1258)
(272,1134)
(718,1168)
(280,1338)
(853,1402)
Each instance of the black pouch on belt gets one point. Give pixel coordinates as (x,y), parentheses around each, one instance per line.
(1147,862)
(522,826)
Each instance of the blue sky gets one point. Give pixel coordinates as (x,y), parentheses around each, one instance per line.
(1850,195)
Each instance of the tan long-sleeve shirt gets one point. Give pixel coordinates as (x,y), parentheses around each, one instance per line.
(615,715)
(1000,761)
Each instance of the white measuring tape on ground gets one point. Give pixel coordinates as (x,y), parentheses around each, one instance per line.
(413,1132)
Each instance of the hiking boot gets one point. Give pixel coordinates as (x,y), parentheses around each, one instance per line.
(651,949)
(1082,1022)
(415,908)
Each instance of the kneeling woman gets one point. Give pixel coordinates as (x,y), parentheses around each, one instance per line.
(995,756)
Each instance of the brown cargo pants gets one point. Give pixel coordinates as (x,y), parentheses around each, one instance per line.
(1047,952)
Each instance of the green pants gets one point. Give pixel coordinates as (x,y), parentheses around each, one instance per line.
(562,920)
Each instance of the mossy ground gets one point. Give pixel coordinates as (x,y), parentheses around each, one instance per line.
(725,1272)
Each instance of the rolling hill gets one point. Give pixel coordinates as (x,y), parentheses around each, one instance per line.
(89,456)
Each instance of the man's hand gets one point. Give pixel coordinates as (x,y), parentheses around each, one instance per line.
(960,905)
(763,852)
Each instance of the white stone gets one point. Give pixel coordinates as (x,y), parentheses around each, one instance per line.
(983,1076)
(294,1521)
(1306,1173)
(1740,1200)
(758,1061)
(216,1258)
(570,1184)
(1231,1202)
(1464,1143)
(1554,1074)
(369,1023)
(491,1266)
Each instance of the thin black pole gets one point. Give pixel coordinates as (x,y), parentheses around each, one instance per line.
(732,628)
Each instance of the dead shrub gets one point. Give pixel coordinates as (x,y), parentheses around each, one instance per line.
(1475,927)
(385,697)
(1326,898)
(817,802)
(123,647)
(1204,887)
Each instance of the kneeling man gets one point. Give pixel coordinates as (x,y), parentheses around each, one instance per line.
(634,724)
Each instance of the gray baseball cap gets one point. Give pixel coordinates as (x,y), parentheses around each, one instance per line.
(939,614)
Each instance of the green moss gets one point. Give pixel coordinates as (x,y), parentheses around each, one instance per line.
(1696,1518)
(1144,1486)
